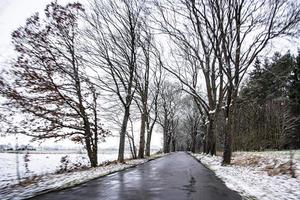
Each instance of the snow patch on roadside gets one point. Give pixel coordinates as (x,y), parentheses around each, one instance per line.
(52,182)
(253,182)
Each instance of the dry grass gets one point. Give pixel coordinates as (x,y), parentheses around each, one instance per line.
(272,166)
(219,153)
(284,168)
(251,160)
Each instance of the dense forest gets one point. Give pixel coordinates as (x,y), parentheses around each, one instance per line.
(269,105)
(196,71)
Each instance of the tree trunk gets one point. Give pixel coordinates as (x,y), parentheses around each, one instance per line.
(95,154)
(95,158)
(211,139)
(122,135)
(193,145)
(166,149)
(173,145)
(204,146)
(92,154)
(167,141)
(134,150)
(228,141)
(149,135)
(132,146)
(198,143)
(142,132)
(167,145)
(150,129)
(228,130)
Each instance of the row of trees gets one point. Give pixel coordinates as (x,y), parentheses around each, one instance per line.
(76,64)
(217,41)
(72,60)
(266,112)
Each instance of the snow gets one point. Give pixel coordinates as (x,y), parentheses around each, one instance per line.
(249,175)
(49,182)
(42,163)
(212,111)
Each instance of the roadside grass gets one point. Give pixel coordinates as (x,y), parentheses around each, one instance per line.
(259,175)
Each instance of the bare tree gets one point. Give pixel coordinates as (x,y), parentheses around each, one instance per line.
(191,120)
(153,107)
(112,47)
(168,112)
(49,84)
(131,140)
(148,82)
(142,85)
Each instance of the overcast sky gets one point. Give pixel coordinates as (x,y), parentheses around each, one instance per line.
(13,14)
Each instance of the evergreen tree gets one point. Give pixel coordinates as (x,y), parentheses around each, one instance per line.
(273,90)
(292,140)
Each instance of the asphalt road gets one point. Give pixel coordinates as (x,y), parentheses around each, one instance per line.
(176,176)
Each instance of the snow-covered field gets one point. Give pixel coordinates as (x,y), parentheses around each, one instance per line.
(50,182)
(259,175)
(41,163)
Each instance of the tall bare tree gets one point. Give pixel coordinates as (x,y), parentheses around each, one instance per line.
(246,28)
(148,82)
(142,85)
(168,112)
(153,108)
(112,46)
(192,120)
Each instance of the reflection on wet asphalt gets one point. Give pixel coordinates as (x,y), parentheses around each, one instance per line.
(176,176)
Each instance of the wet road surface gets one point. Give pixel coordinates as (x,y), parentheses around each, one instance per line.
(175,176)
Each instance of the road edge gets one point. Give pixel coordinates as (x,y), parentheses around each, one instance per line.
(67,186)
(207,167)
